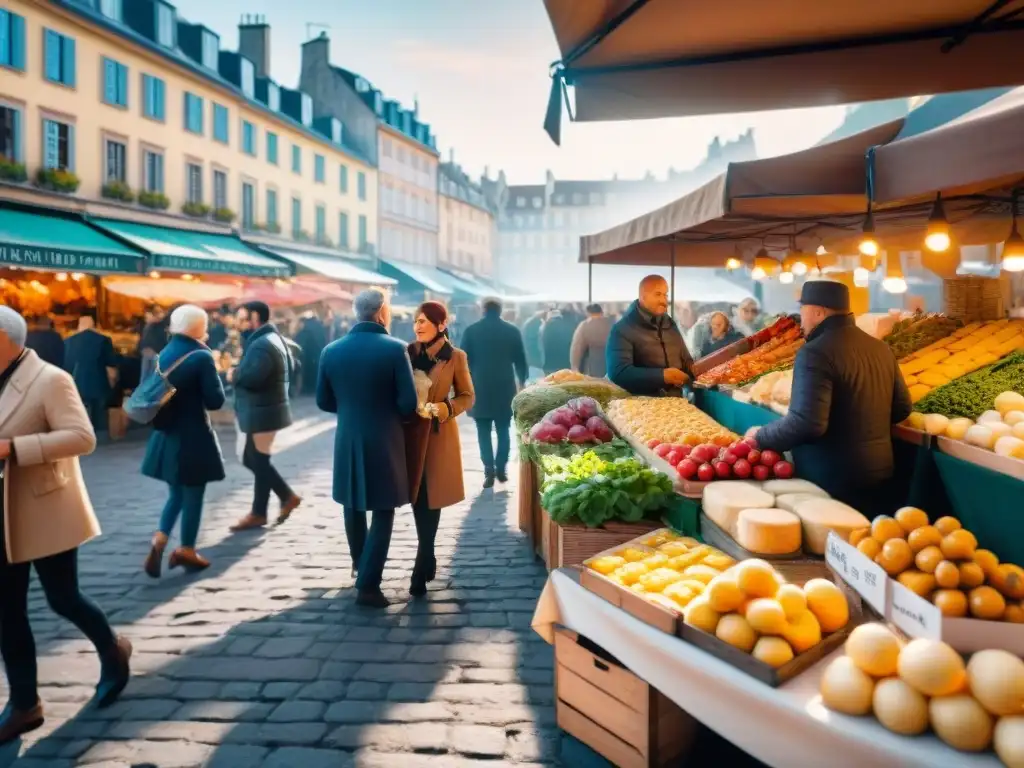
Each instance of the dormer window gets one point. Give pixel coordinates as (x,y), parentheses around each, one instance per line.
(211,50)
(362,85)
(274,97)
(336,130)
(378,104)
(111,9)
(165,27)
(307,109)
(248,78)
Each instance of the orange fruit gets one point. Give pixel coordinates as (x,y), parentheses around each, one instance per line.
(928,559)
(921,584)
(911,518)
(869,547)
(857,536)
(895,556)
(947,575)
(925,536)
(959,545)
(1009,579)
(1014,614)
(971,575)
(952,602)
(947,525)
(986,603)
(884,528)
(987,560)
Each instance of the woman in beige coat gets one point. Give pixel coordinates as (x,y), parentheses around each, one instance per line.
(46,517)
(432,443)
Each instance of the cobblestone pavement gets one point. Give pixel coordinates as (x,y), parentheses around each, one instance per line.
(265,660)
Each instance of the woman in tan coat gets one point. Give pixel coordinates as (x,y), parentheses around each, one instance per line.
(432,444)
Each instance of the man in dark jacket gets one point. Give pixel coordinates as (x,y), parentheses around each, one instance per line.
(556,340)
(46,342)
(90,358)
(589,342)
(531,340)
(646,354)
(153,339)
(312,338)
(497,365)
(847,393)
(366,378)
(261,405)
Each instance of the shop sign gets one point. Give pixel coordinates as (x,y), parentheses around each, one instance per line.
(39,257)
(189,264)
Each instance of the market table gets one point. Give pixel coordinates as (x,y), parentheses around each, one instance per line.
(786,727)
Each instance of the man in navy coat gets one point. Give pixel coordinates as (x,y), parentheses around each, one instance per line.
(366,378)
(90,358)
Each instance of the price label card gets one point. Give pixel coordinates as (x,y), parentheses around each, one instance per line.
(913,614)
(867,578)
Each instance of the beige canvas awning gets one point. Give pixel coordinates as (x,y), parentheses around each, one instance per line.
(636,59)
(981,150)
(752,203)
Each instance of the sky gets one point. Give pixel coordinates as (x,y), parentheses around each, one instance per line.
(479,69)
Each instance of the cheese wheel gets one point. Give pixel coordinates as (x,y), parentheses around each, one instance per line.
(768,531)
(778,486)
(788,501)
(819,516)
(723,500)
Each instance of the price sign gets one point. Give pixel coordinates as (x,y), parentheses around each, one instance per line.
(913,614)
(867,578)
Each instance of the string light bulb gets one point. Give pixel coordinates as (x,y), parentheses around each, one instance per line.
(937,238)
(868,244)
(786,278)
(894,281)
(764,265)
(861,277)
(733,263)
(1013,251)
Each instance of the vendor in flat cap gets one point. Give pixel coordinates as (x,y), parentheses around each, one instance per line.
(847,393)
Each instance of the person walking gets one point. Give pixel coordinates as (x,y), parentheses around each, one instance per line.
(261,382)
(183,450)
(498,367)
(589,340)
(47,516)
(90,358)
(366,379)
(720,334)
(556,340)
(46,342)
(531,340)
(432,443)
(153,339)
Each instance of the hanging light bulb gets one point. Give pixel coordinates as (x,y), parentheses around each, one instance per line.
(1013,251)
(733,263)
(76,276)
(821,250)
(868,244)
(861,277)
(786,278)
(61,277)
(757,273)
(937,238)
(764,265)
(894,282)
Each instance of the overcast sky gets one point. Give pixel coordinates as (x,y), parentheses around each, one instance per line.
(480,71)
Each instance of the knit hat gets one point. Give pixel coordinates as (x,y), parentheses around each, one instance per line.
(434,311)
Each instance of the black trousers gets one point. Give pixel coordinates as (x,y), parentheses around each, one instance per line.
(427,521)
(58,575)
(267,478)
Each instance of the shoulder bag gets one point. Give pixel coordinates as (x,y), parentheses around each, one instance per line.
(154,392)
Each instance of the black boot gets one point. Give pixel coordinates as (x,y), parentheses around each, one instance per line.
(488,479)
(372,598)
(502,476)
(115,673)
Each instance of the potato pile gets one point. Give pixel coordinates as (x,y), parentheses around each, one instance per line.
(667,420)
(941,562)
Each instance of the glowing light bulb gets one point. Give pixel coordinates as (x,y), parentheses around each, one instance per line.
(799,268)
(758,273)
(77,276)
(786,278)
(1013,252)
(155,275)
(937,237)
(894,285)
(1013,263)
(821,250)
(861,277)
(868,246)
(937,241)
(61,277)
(733,263)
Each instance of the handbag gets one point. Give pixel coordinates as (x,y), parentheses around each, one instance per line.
(154,392)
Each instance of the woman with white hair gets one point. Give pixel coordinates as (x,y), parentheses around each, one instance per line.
(183,450)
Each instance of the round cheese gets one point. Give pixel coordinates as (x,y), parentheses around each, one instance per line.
(768,531)
(723,500)
(779,486)
(819,516)
(789,501)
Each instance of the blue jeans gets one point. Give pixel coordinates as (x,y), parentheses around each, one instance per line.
(369,551)
(491,462)
(185,501)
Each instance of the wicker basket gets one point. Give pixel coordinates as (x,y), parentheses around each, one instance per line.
(571,544)
(973,299)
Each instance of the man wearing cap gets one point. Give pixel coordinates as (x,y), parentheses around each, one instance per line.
(847,393)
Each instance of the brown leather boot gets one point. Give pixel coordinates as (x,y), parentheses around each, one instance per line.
(287,508)
(248,523)
(154,559)
(15,722)
(188,559)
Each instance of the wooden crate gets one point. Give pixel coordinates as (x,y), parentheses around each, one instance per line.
(571,544)
(614,712)
(526,492)
(972,299)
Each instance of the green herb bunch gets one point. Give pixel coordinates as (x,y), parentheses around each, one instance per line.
(973,394)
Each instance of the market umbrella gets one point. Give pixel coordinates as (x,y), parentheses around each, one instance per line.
(637,59)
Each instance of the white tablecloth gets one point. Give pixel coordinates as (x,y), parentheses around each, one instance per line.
(786,727)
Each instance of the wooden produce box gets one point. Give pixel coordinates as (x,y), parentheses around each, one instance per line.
(614,712)
(958,449)
(571,544)
(717,537)
(527,496)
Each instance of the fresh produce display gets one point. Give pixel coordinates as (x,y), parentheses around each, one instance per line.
(775,328)
(741,459)
(579,421)
(780,350)
(616,449)
(924,684)
(967,351)
(941,562)
(915,333)
(562,376)
(593,490)
(667,420)
(1000,429)
(774,388)
(536,401)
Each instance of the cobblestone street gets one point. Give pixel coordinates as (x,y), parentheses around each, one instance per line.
(265,660)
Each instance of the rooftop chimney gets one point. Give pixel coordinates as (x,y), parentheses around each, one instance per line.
(254,42)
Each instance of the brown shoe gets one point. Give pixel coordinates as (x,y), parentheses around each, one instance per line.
(188,559)
(154,560)
(116,671)
(248,523)
(15,722)
(287,508)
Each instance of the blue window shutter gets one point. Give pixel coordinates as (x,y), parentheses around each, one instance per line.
(71,148)
(68,55)
(51,55)
(17,41)
(159,85)
(188,112)
(5,37)
(49,144)
(147,97)
(16,126)
(122,85)
(109,81)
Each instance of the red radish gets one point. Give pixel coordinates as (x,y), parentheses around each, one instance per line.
(754,457)
(783,470)
(687,468)
(741,469)
(730,458)
(652,443)
(595,423)
(751,441)
(604,433)
(580,434)
(563,416)
(705,473)
(761,472)
(722,470)
(674,457)
(685,450)
(770,458)
(662,450)
(740,448)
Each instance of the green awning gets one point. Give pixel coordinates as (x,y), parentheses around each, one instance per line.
(179,250)
(63,243)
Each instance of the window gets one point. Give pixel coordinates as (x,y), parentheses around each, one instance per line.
(194,177)
(112,9)
(321,223)
(296,217)
(273,97)
(117,154)
(211,50)
(153,97)
(10,134)
(362,232)
(12,40)
(220,122)
(153,171)
(248,78)
(115,83)
(58,145)
(271,148)
(296,158)
(193,113)
(387,147)
(165,25)
(343,230)
(361,185)
(319,169)
(248,138)
(271,207)
(248,205)
(59,58)
(220,189)
(343,179)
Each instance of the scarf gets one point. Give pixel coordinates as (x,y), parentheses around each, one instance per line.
(426,356)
